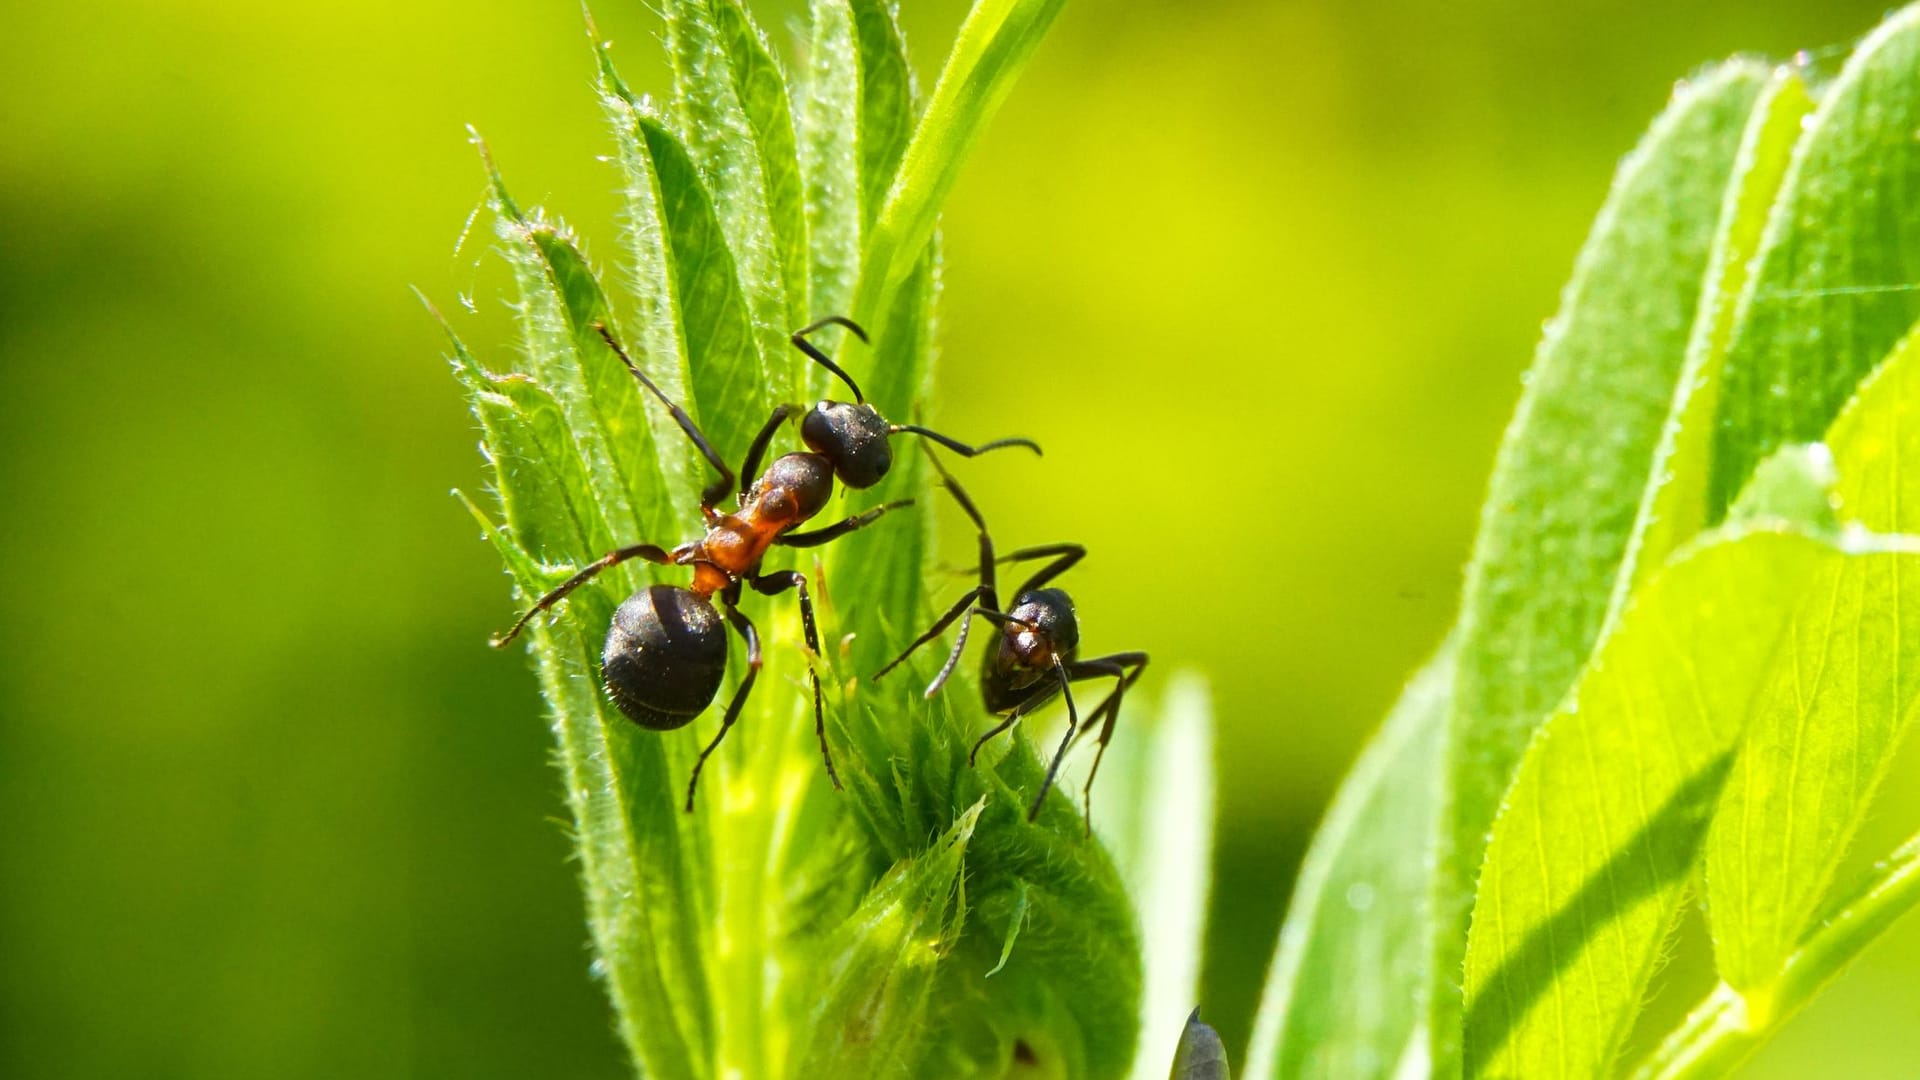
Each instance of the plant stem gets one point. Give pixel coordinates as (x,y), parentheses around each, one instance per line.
(1728,1026)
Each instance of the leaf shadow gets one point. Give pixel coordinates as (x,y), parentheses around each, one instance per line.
(1660,853)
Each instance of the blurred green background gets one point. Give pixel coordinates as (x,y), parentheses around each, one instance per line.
(1261,276)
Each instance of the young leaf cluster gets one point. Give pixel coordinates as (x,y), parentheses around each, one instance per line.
(916,924)
(1685,652)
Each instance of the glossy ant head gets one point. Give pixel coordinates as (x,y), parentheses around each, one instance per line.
(1040,629)
(854,437)
(666,652)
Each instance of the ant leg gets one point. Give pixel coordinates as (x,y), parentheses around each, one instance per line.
(1011,719)
(839,529)
(986,593)
(751,469)
(1127,668)
(773,585)
(813,352)
(649,552)
(744,627)
(1073,729)
(938,627)
(1069,554)
(956,445)
(711,495)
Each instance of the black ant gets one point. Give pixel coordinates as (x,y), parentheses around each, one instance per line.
(1035,653)
(666,650)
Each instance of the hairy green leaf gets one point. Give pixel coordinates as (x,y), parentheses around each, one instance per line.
(830,118)
(1673,507)
(1356,938)
(1834,288)
(954,937)
(1595,840)
(879,980)
(732,105)
(1824,728)
(1571,473)
(728,380)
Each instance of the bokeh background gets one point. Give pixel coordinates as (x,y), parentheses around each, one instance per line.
(1262,276)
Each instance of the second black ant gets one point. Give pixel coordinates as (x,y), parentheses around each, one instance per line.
(1035,651)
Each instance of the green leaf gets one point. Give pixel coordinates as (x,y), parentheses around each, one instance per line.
(1725,1029)
(546,495)
(887,102)
(830,118)
(732,104)
(1825,727)
(1572,471)
(876,985)
(727,378)
(1356,938)
(1673,508)
(917,923)
(995,44)
(1157,820)
(1595,840)
(1834,289)
(642,862)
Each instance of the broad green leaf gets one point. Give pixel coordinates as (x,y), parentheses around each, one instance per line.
(1673,507)
(876,986)
(1342,998)
(1154,811)
(996,42)
(1598,835)
(729,385)
(830,155)
(1834,288)
(1825,727)
(732,106)
(1571,472)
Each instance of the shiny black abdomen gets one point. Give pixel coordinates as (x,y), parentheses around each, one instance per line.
(666,653)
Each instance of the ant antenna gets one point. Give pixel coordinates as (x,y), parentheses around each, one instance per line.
(715,491)
(813,352)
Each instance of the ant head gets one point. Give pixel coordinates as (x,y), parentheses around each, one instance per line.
(853,438)
(794,488)
(1041,626)
(665,655)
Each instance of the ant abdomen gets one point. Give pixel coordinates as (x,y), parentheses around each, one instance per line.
(666,653)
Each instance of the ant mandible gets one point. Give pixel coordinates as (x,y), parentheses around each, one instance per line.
(1035,653)
(666,649)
